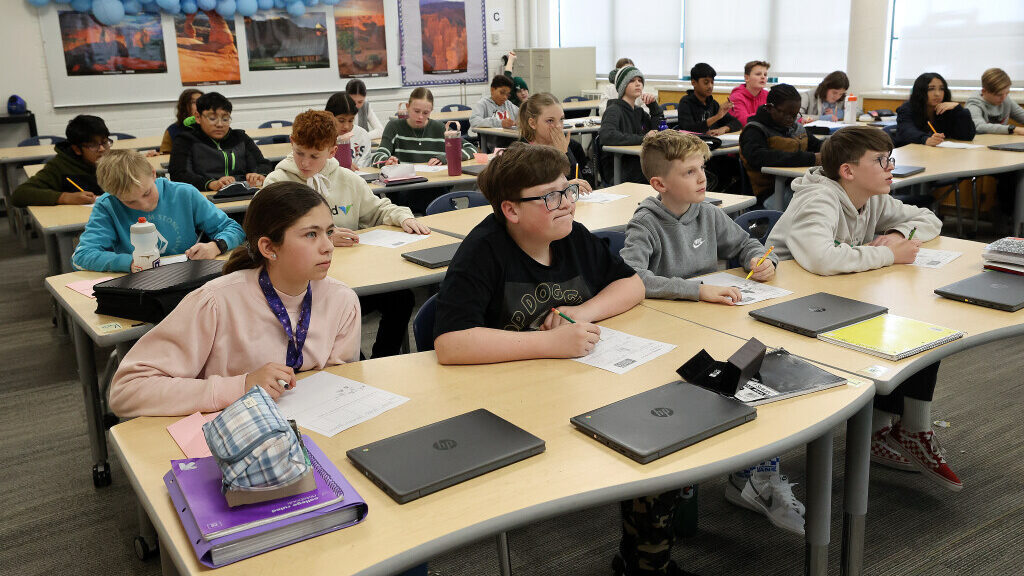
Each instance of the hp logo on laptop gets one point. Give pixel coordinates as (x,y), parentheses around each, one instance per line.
(662,412)
(445,444)
(816,309)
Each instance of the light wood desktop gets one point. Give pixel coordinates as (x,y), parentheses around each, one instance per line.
(539,396)
(375,269)
(611,215)
(434,179)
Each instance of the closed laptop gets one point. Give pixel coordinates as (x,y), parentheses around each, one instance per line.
(904,171)
(435,257)
(991,289)
(1009,147)
(817,313)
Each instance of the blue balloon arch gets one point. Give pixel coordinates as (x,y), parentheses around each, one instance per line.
(111,12)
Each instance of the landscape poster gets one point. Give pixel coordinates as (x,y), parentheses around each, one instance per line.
(135,46)
(282,42)
(443,36)
(362,42)
(207,50)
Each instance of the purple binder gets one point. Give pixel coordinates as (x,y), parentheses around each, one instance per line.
(206,506)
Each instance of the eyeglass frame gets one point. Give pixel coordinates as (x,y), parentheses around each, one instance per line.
(108,143)
(885,162)
(572,191)
(216,120)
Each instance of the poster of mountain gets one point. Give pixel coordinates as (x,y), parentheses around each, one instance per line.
(442,41)
(207,50)
(282,42)
(443,34)
(362,40)
(135,46)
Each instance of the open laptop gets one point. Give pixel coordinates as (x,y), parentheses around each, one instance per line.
(997,290)
(442,454)
(1011,147)
(817,313)
(435,257)
(658,422)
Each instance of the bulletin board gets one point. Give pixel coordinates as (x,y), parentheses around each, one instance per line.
(141,59)
(443,41)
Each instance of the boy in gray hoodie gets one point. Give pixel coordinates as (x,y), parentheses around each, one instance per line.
(992,111)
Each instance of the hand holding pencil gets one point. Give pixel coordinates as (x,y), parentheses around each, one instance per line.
(936,138)
(762,270)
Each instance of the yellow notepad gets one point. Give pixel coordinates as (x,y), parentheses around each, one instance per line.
(890,336)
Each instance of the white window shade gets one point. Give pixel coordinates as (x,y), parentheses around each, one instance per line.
(726,45)
(588,23)
(957,39)
(801,46)
(647,33)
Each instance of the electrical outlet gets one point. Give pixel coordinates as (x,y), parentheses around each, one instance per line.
(495,37)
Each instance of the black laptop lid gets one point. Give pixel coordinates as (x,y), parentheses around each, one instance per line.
(817,313)
(435,257)
(991,289)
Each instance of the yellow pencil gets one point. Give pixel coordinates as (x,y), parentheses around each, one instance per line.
(761,261)
(73,184)
(934,131)
(577,171)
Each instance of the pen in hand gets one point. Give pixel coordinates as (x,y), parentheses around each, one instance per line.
(912,232)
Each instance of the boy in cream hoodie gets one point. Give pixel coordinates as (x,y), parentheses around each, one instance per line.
(842,220)
(354,207)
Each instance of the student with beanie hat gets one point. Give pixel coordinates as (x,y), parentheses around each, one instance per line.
(624,123)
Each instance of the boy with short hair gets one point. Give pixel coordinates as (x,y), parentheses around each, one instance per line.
(991,111)
(752,94)
(843,220)
(699,111)
(70,176)
(343,107)
(178,210)
(625,124)
(209,154)
(496,111)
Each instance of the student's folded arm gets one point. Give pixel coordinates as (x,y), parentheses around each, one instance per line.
(468,150)
(963,126)
(348,335)
(981,123)
(43,189)
(376,210)
(902,218)
(656,113)
(482,345)
(758,153)
(811,241)
(610,133)
(730,121)
(158,376)
(96,246)
(208,218)
(616,298)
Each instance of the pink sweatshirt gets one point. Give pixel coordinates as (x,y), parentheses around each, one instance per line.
(745,105)
(197,358)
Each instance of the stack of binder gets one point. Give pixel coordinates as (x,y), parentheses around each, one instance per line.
(1005,255)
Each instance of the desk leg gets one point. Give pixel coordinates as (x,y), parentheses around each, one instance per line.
(617,168)
(5,181)
(504,561)
(52,246)
(819,505)
(1018,211)
(85,355)
(855,495)
(65,247)
(483,143)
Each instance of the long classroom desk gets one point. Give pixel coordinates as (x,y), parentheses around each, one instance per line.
(540,396)
(366,269)
(944,164)
(589,125)
(617,152)
(595,216)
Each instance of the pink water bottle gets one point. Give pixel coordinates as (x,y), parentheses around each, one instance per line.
(403,111)
(344,152)
(453,147)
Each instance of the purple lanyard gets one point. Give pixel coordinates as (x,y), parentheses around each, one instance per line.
(297,340)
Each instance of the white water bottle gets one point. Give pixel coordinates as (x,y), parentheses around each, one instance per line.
(145,239)
(850,110)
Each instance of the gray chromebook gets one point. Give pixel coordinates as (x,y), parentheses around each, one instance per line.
(817,313)
(991,289)
(442,454)
(435,257)
(662,420)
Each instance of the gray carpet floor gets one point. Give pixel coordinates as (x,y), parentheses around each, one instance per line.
(56,523)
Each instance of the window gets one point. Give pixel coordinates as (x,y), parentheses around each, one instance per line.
(957,39)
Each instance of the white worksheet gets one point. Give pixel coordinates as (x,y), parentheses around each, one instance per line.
(389,238)
(827,124)
(958,145)
(751,290)
(426,168)
(327,404)
(927,258)
(619,352)
(165,260)
(730,139)
(600,197)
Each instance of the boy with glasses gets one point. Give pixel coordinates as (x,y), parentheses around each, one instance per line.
(209,154)
(496,301)
(70,176)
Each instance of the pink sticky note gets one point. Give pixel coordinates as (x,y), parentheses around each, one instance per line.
(85,286)
(188,433)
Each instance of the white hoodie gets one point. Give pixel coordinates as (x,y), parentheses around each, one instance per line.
(826,235)
(353,205)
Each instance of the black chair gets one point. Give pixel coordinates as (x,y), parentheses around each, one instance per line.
(613,238)
(757,223)
(447,201)
(454,107)
(40,140)
(275,124)
(121,136)
(423,325)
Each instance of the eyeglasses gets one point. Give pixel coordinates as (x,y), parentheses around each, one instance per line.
(553,200)
(886,161)
(98,145)
(215,120)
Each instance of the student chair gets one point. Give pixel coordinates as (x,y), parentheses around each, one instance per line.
(613,238)
(40,140)
(757,223)
(423,325)
(454,107)
(275,124)
(121,136)
(448,201)
(574,99)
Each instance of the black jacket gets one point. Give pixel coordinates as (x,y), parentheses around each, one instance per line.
(956,124)
(198,159)
(764,143)
(625,125)
(693,115)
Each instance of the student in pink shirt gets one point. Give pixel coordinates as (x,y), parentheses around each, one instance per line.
(750,95)
(272,314)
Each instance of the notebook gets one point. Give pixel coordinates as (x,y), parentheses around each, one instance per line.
(990,289)
(904,171)
(442,454)
(1014,147)
(890,336)
(662,420)
(435,257)
(817,313)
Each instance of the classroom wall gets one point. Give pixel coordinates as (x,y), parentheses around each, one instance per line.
(24,73)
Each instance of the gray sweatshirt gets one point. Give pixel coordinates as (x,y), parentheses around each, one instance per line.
(665,250)
(992,119)
(485,113)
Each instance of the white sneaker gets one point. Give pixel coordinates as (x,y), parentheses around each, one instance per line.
(734,494)
(772,495)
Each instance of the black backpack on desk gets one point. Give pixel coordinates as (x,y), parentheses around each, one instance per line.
(150,295)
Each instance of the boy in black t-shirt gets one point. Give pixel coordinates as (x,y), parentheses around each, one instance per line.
(527,258)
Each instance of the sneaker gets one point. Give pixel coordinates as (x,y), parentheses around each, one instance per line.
(771,495)
(922,449)
(882,453)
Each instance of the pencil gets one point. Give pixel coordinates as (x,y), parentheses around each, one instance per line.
(73,184)
(571,321)
(759,262)
(577,171)
(934,131)
(911,237)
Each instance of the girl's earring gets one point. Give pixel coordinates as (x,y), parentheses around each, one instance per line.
(273,256)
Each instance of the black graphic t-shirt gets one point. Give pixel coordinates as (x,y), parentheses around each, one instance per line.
(492,283)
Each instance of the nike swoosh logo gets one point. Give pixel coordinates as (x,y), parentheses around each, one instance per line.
(698,242)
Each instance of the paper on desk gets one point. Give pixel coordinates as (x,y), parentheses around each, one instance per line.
(85,286)
(752,291)
(389,238)
(827,124)
(957,145)
(327,404)
(619,352)
(188,433)
(173,259)
(600,197)
(428,168)
(927,258)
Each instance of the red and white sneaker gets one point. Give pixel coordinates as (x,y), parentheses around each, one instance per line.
(882,453)
(922,449)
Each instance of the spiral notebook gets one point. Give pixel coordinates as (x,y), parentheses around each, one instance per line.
(890,336)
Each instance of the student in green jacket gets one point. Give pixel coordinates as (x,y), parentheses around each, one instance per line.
(70,176)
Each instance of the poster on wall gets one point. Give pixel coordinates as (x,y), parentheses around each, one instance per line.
(442,41)
(135,46)
(362,39)
(207,50)
(283,42)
